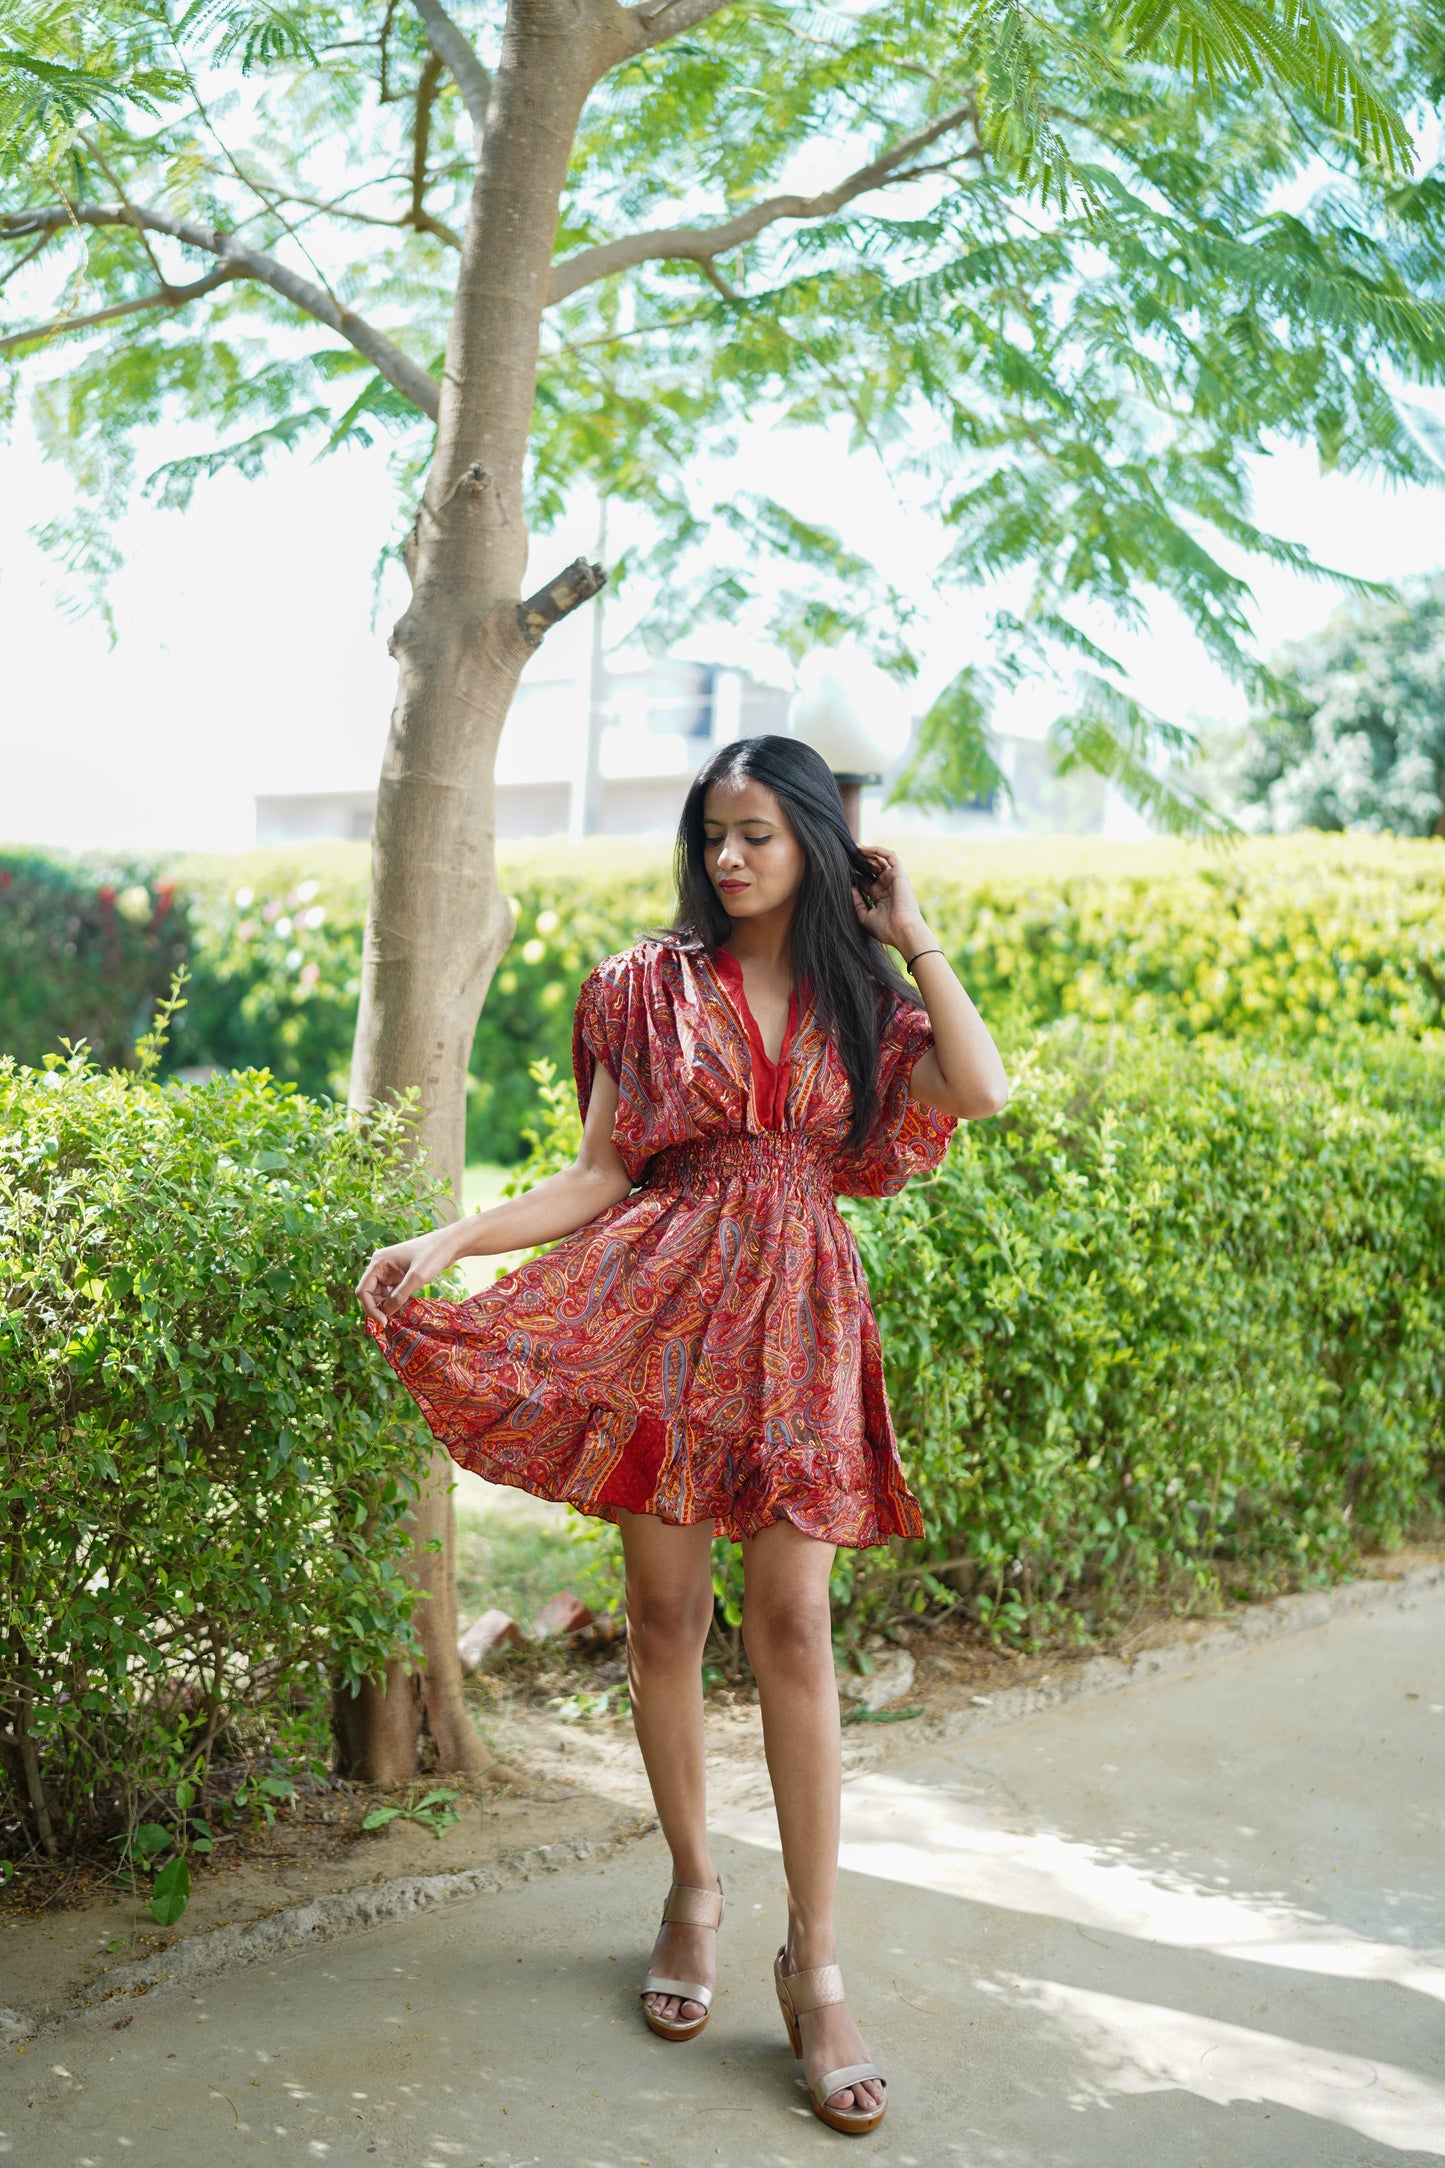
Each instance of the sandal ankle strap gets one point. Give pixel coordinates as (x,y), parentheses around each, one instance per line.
(815,1989)
(692,1907)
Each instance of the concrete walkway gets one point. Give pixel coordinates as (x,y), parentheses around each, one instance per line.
(1198,1925)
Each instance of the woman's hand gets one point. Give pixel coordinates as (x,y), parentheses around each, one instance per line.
(395,1274)
(893,915)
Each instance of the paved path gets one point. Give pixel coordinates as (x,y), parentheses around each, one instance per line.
(1197,1925)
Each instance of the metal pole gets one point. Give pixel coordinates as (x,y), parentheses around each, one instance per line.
(591,822)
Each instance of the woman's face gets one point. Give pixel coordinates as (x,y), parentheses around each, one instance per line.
(753,859)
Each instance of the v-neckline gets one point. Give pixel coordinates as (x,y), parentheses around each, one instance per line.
(731,971)
(770,1079)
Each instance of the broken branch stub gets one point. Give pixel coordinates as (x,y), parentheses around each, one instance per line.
(558,599)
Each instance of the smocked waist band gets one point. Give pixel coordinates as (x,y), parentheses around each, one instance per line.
(771,1156)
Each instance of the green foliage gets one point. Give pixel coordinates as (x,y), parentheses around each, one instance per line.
(1128,248)
(568,915)
(1176,1318)
(87,948)
(205,1468)
(276,973)
(1353,732)
(1297,941)
(434,1810)
(517,1562)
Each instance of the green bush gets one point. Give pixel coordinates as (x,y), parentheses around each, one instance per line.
(569,915)
(275,962)
(1298,938)
(205,1466)
(1178,1315)
(87,948)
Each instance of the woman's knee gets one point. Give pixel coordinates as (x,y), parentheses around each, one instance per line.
(793,1633)
(667,1622)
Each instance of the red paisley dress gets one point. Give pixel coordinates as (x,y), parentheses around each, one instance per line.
(705,1349)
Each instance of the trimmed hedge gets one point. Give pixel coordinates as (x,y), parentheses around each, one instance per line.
(205,1468)
(1299,938)
(1177,1316)
(1296,938)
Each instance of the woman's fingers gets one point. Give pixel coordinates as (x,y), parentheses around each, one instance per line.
(377,1283)
(395,1275)
(397,1297)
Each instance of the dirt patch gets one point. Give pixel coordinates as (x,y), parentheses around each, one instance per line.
(55,1956)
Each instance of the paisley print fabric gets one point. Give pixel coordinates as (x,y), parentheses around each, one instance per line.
(705,1348)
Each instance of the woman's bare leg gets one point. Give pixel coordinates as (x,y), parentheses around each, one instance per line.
(787,1628)
(669,1610)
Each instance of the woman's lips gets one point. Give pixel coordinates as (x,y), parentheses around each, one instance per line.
(730,888)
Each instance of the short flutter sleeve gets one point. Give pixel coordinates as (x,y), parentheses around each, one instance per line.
(625,1019)
(906,1138)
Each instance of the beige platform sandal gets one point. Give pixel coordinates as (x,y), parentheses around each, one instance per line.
(684,1908)
(799,1992)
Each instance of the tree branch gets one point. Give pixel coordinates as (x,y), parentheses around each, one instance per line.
(244,262)
(700,244)
(419,216)
(166,297)
(335,207)
(540,612)
(658,20)
(21,261)
(449,44)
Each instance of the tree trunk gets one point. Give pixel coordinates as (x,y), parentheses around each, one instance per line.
(437,923)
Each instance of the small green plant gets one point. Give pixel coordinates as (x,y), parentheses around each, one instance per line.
(261,1796)
(435,1811)
(577,1708)
(146,1849)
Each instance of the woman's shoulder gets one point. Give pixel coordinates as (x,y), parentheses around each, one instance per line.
(647,958)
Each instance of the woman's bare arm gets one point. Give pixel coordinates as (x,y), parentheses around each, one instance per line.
(557,1206)
(962,1072)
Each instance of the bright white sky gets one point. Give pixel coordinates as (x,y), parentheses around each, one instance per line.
(246,659)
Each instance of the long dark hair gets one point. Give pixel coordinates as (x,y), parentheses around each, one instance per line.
(850,972)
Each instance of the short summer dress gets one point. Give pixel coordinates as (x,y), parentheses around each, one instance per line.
(704,1349)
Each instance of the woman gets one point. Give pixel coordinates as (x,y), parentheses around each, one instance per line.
(698,1354)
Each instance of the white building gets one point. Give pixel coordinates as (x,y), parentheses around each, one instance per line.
(647,730)
(573,762)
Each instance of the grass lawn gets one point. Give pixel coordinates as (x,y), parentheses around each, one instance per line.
(482,1187)
(515,1553)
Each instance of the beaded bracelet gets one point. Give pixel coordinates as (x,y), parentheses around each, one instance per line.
(921,952)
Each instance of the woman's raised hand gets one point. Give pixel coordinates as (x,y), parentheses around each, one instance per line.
(395,1274)
(893,915)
